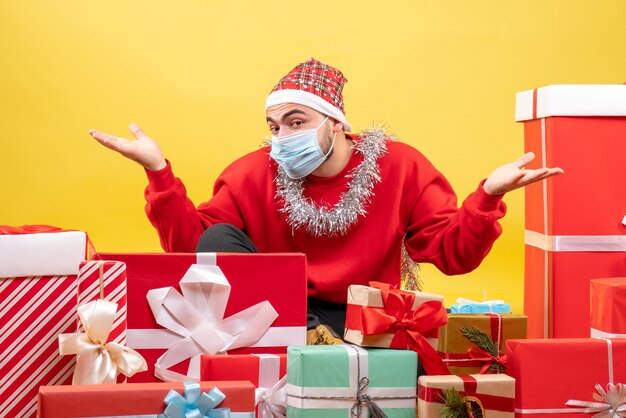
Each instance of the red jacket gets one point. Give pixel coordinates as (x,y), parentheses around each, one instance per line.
(413,200)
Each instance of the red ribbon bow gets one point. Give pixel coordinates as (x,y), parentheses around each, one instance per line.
(410,327)
(478,354)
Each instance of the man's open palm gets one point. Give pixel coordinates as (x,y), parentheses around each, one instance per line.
(513,175)
(143,149)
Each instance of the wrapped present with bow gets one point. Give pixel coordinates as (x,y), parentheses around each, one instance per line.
(99,361)
(381,316)
(567,377)
(185,305)
(148,400)
(608,307)
(466,396)
(39,265)
(467,306)
(266,372)
(350,381)
(475,343)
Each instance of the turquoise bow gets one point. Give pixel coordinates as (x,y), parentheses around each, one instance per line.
(195,404)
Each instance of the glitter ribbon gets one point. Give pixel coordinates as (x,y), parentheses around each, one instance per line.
(610,403)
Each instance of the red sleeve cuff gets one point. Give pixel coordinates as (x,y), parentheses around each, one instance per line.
(161,180)
(486,202)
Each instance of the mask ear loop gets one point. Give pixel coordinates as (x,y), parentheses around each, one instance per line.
(331,147)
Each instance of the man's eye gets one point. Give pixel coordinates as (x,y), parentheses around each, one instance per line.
(296,123)
(273,129)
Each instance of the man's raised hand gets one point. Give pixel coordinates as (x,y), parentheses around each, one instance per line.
(514,175)
(143,149)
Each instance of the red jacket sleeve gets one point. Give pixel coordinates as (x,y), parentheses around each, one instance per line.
(454,239)
(178,222)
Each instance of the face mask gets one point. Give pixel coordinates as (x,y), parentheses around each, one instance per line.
(299,154)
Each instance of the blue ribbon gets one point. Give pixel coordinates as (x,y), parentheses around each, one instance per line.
(195,404)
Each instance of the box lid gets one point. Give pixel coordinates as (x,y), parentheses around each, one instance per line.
(571,100)
(42,254)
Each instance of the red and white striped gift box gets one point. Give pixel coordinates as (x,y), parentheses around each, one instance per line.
(104,280)
(38,285)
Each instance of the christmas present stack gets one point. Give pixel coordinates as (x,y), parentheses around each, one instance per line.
(476,342)
(186,305)
(575,223)
(38,301)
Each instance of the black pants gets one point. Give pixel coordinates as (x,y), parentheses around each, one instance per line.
(229,239)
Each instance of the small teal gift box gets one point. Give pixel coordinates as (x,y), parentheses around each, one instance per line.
(347,381)
(466,306)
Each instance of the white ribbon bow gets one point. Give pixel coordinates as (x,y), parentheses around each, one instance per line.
(98,361)
(272,402)
(197,317)
(611,403)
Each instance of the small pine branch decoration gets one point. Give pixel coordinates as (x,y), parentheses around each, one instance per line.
(453,404)
(484,342)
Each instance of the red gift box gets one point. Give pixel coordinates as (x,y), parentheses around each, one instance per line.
(264,371)
(576,365)
(578,216)
(608,307)
(38,286)
(277,278)
(133,399)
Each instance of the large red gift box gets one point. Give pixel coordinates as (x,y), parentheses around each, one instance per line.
(265,371)
(277,278)
(608,307)
(575,223)
(38,300)
(134,399)
(551,372)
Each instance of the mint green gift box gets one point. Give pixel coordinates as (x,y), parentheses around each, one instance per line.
(323,381)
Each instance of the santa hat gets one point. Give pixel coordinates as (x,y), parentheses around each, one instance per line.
(313,84)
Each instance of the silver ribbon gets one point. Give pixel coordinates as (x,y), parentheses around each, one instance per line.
(610,403)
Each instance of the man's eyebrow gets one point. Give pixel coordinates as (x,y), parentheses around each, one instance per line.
(286,115)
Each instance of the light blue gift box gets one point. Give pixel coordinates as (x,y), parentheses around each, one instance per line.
(323,381)
(467,306)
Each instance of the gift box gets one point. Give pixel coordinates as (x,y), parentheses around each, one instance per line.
(608,307)
(347,380)
(466,306)
(461,351)
(38,285)
(265,371)
(551,372)
(144,399)
(575,227)
(492,395)
(225,298)
(381,316)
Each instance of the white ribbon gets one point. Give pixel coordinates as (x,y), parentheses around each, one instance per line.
(197,319)
(596,333)
(272,402)
(98,361)
(610,403)
(575,243)
(271,397)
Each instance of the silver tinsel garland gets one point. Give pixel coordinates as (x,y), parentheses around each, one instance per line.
(324,221)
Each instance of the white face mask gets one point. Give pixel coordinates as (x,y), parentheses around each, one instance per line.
(299,154)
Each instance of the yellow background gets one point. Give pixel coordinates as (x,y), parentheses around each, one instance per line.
(441,74)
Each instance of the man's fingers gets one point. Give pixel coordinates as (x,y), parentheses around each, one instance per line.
(524,160)
(109,141)
(136,130)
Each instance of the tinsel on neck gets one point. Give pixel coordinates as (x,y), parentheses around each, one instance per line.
(321,221)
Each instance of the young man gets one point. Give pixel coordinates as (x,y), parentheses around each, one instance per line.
(350,202)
